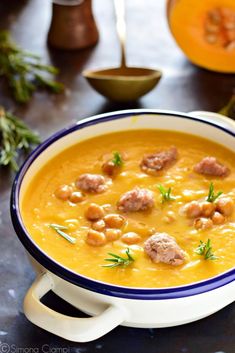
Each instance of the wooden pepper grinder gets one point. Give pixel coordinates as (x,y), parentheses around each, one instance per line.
(72,25)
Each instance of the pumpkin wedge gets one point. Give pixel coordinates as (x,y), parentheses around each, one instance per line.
(205,31)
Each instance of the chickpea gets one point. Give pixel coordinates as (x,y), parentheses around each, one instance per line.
(203,223)
(170,217)
(114,220)
(94,212)
(225,205)
(193,209)
(110,168)
(98,225)
(208,208)
(218,218)
(131,238)
(63,192)
(76,197)
(95,238)
(112,234)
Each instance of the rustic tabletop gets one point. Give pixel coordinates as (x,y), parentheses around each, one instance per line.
(183,87)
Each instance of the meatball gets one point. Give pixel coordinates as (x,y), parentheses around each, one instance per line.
(136,200)
(210,166)
(153,163)
(93,183)
(161,247)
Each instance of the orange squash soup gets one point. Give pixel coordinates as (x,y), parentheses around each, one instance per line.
(143,208)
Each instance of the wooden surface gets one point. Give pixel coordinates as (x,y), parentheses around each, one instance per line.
(183,87)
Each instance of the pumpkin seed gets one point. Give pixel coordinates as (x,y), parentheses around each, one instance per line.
(215,16)
(212,28)
(229,25)
(211,38)
(230,45)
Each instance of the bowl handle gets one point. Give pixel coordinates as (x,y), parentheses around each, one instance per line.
(70,328)
(215,117)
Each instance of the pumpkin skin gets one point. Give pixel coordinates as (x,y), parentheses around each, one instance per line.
(206,44)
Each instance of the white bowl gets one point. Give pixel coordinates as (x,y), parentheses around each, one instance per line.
(112,305)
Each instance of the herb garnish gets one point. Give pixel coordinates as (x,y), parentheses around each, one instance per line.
(119,260)
(229,109)
(14,136)
(166,194)
(117,159)
(212,197)
(205,249)
(60,230)
(23,70)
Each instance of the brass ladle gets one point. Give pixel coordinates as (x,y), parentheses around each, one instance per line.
(123,83)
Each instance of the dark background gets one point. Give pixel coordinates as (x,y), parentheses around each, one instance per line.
(183,87)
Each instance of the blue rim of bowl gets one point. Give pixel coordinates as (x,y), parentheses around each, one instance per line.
(85,282)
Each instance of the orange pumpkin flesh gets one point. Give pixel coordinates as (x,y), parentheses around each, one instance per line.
(205,31)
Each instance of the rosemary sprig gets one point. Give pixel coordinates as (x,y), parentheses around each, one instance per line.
(60,230)
(166,194)
(14,136)
(205,249)
(212,197)
(119,260)
(24,71)
(117,159)
(229,109)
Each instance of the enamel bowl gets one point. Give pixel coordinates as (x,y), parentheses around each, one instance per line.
(111,305)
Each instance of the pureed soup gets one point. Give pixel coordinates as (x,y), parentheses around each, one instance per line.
(143,208)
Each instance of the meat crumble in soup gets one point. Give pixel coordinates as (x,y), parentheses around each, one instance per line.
(160,204)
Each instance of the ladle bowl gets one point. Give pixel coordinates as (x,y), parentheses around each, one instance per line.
(123,83)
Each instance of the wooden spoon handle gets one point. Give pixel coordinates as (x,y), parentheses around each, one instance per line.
(121,28)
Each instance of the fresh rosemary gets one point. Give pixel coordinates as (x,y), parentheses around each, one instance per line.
(117,159)
(229,109)
(60,230)
(24,71)
(14,136)
(212,197)
(205,249)
(166,194)
(117,260)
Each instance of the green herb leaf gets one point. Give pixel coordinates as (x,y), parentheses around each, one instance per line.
(117,159)
(59,230)
(24,71)
(205,249)
(212,197)
(119,260)
(166,194)
(14,136)
(229,109)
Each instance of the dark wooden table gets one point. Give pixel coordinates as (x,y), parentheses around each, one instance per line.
(183,87)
